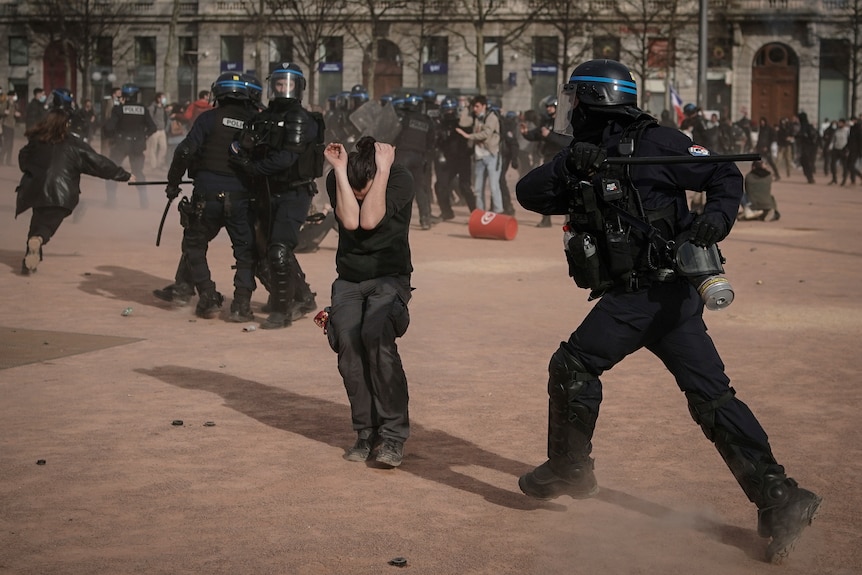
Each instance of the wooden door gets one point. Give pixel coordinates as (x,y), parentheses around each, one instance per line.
(774,84)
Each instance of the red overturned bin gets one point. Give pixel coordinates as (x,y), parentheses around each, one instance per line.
(492,226)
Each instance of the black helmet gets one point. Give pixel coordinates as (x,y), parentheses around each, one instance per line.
(603,83)
(358,96)
(230,85)
(449,104)
(129,90)
(286,81)
(413,103)
(358,89)
(255,90)
(550,101)
(689,109)
(62,99)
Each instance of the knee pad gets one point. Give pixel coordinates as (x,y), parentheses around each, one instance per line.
(278,256)
(573,390)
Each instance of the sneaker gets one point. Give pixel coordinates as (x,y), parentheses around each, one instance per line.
(34,253)
(209,304)
(177,294)
(544,483)
(784,523)
(390,453)
(276,320)
(363,446)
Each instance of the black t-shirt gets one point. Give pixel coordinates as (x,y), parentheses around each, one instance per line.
(384,251)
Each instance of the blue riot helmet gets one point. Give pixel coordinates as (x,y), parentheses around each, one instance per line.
(603,83)
(358,96)
(255,90)
(129,92)
(596,87)
(689,109)
(62,99)
(230,85)
(286,81)
(549,101)
(413,103)
(429,95)
(449,104)
(342,101)
(400,105)
(386,99)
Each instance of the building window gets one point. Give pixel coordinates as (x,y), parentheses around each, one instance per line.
(607,47)
(145,51)
(231,53)
(493,63)
(659,55)
(19,54)
(280,50)
(333,49)
(104,54)
(546,49)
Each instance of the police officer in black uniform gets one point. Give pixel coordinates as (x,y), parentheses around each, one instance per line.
(414,147)
(63,99)
(453,160)
(221,199)
(549,141)
(283,146)
(129,127)
(620,225)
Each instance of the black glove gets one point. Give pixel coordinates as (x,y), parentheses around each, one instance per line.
(585,158)
(172,192)
(708,228)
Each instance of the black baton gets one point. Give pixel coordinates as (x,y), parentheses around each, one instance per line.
(683,159)
(155,183)
(162,222)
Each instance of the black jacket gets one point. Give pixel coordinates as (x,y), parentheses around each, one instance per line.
(52,173)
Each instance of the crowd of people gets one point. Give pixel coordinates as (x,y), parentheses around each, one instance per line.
(630,239)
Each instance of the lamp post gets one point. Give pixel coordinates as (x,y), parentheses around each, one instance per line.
(101,78)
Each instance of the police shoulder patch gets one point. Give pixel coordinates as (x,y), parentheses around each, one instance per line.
(696,150)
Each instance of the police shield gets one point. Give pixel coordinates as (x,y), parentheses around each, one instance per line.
(376,120)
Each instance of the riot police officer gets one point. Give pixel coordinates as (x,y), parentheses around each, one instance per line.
(221,199)
(63,99)
(414,147)
(452,160)
(283,145)
(128,128)
(549,141)
(620,245)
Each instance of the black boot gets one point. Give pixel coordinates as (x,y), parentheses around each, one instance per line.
(783,523)
(177,294)
(573,398)
(209,303)
(240,307)
(282,287)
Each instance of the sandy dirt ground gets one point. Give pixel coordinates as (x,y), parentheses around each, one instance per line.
(265,490)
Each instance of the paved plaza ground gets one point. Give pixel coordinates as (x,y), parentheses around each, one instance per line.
(265,490)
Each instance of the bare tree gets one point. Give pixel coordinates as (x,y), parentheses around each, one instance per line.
(367,25)
(653,35)
(570,21)
(427,21)
(482,13)
(849,27)
(78,26)
(310,23)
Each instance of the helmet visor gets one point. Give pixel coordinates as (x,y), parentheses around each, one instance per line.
(286,84)
(567,100)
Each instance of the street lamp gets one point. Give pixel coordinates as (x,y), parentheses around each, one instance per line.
(101,78)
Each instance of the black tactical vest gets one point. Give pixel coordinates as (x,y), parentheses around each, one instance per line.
(214,155)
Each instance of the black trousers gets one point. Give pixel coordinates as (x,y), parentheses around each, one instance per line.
(234,213)
(667,320)
(364,322)
(44,222)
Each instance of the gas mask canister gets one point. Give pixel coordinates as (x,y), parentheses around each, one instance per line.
(702,267)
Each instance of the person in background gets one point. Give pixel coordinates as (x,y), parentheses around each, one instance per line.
(52,162)
(36,108)
(193,110)
(758,201)
(10,115)
(157,143)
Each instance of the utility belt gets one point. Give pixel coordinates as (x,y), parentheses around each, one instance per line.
(278,188)
(192,211)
